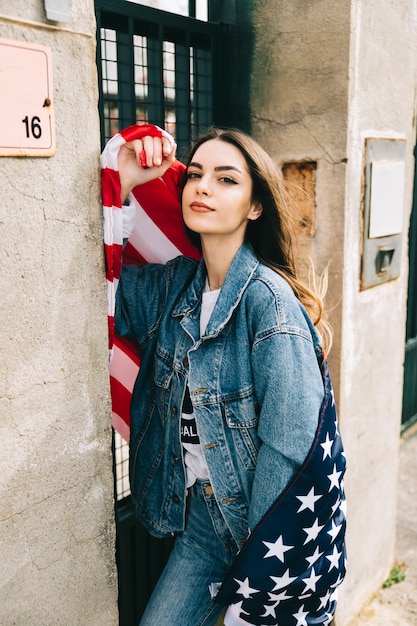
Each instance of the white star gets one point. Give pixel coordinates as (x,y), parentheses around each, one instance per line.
(334,596)
(329,619)
(277,549)
(310,582)
(327,447)
(301,617)
(307,502)
(238,608)
(334,478)
(270,610)
(324,600)
(343,506)
(245,589)
(314,557)
(278,597)
(338,581)
(334,558)
(337,505)
(312,532)
(282,581)
(335,530)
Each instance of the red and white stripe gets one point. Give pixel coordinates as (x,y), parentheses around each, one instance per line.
(158,236)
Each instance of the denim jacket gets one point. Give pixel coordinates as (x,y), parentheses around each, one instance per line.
(254,381)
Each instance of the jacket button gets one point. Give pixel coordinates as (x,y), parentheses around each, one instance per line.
(175,459)
(174,410)
(176,499)
(185,362)
(227,500)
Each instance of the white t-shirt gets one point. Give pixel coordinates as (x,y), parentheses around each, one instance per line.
(195,464)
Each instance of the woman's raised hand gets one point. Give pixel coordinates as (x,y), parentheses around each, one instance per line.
(142,160)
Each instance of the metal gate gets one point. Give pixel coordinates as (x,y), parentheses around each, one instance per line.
(173,71)
(409,415)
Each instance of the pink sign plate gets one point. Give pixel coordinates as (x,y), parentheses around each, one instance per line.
(27,125)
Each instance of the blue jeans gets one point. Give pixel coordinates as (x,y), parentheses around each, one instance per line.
(202,555)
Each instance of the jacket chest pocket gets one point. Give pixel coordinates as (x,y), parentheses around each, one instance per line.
(241,417)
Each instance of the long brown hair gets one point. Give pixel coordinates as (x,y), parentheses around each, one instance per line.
(272,234)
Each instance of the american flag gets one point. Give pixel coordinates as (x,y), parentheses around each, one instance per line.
(157,237)
(289,569)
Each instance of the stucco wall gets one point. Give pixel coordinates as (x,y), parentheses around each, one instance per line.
(324,76)
(56,500)
(381,104)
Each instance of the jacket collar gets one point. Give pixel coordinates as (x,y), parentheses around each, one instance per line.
(237,278)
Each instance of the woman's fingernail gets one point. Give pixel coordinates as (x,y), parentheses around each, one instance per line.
(143,158)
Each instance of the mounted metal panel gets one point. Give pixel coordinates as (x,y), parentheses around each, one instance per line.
(383,209)
(58,10)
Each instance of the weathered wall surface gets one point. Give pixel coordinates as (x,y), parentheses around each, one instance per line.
(381,104)
(324,76)
(56,486)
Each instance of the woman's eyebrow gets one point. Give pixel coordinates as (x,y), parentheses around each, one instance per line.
(219,168)
(225,168)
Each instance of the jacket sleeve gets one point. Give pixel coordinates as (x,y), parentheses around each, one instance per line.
(289,389)
(140,299)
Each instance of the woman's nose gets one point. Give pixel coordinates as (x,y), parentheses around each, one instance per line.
(203,186)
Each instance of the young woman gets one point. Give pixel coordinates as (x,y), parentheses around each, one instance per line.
(234,445)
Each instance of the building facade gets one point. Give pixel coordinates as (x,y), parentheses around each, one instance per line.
(329,90)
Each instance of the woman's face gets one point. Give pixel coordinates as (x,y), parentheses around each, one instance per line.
(217,197)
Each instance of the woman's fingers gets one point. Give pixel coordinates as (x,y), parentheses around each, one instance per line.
(148,148)
(143,160)
(155,149)
(168,146)
(152,151)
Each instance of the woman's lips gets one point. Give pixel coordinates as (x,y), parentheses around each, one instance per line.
(200,207)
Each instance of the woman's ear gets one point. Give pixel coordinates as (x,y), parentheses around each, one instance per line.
(255,211)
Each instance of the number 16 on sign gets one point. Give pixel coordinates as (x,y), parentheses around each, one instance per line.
(27,126)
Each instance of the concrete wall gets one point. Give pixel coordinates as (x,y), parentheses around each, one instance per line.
(56,485)
(324,76)
(381,104)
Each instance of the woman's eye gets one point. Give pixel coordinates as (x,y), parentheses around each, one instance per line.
(228,180)
(193,175)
